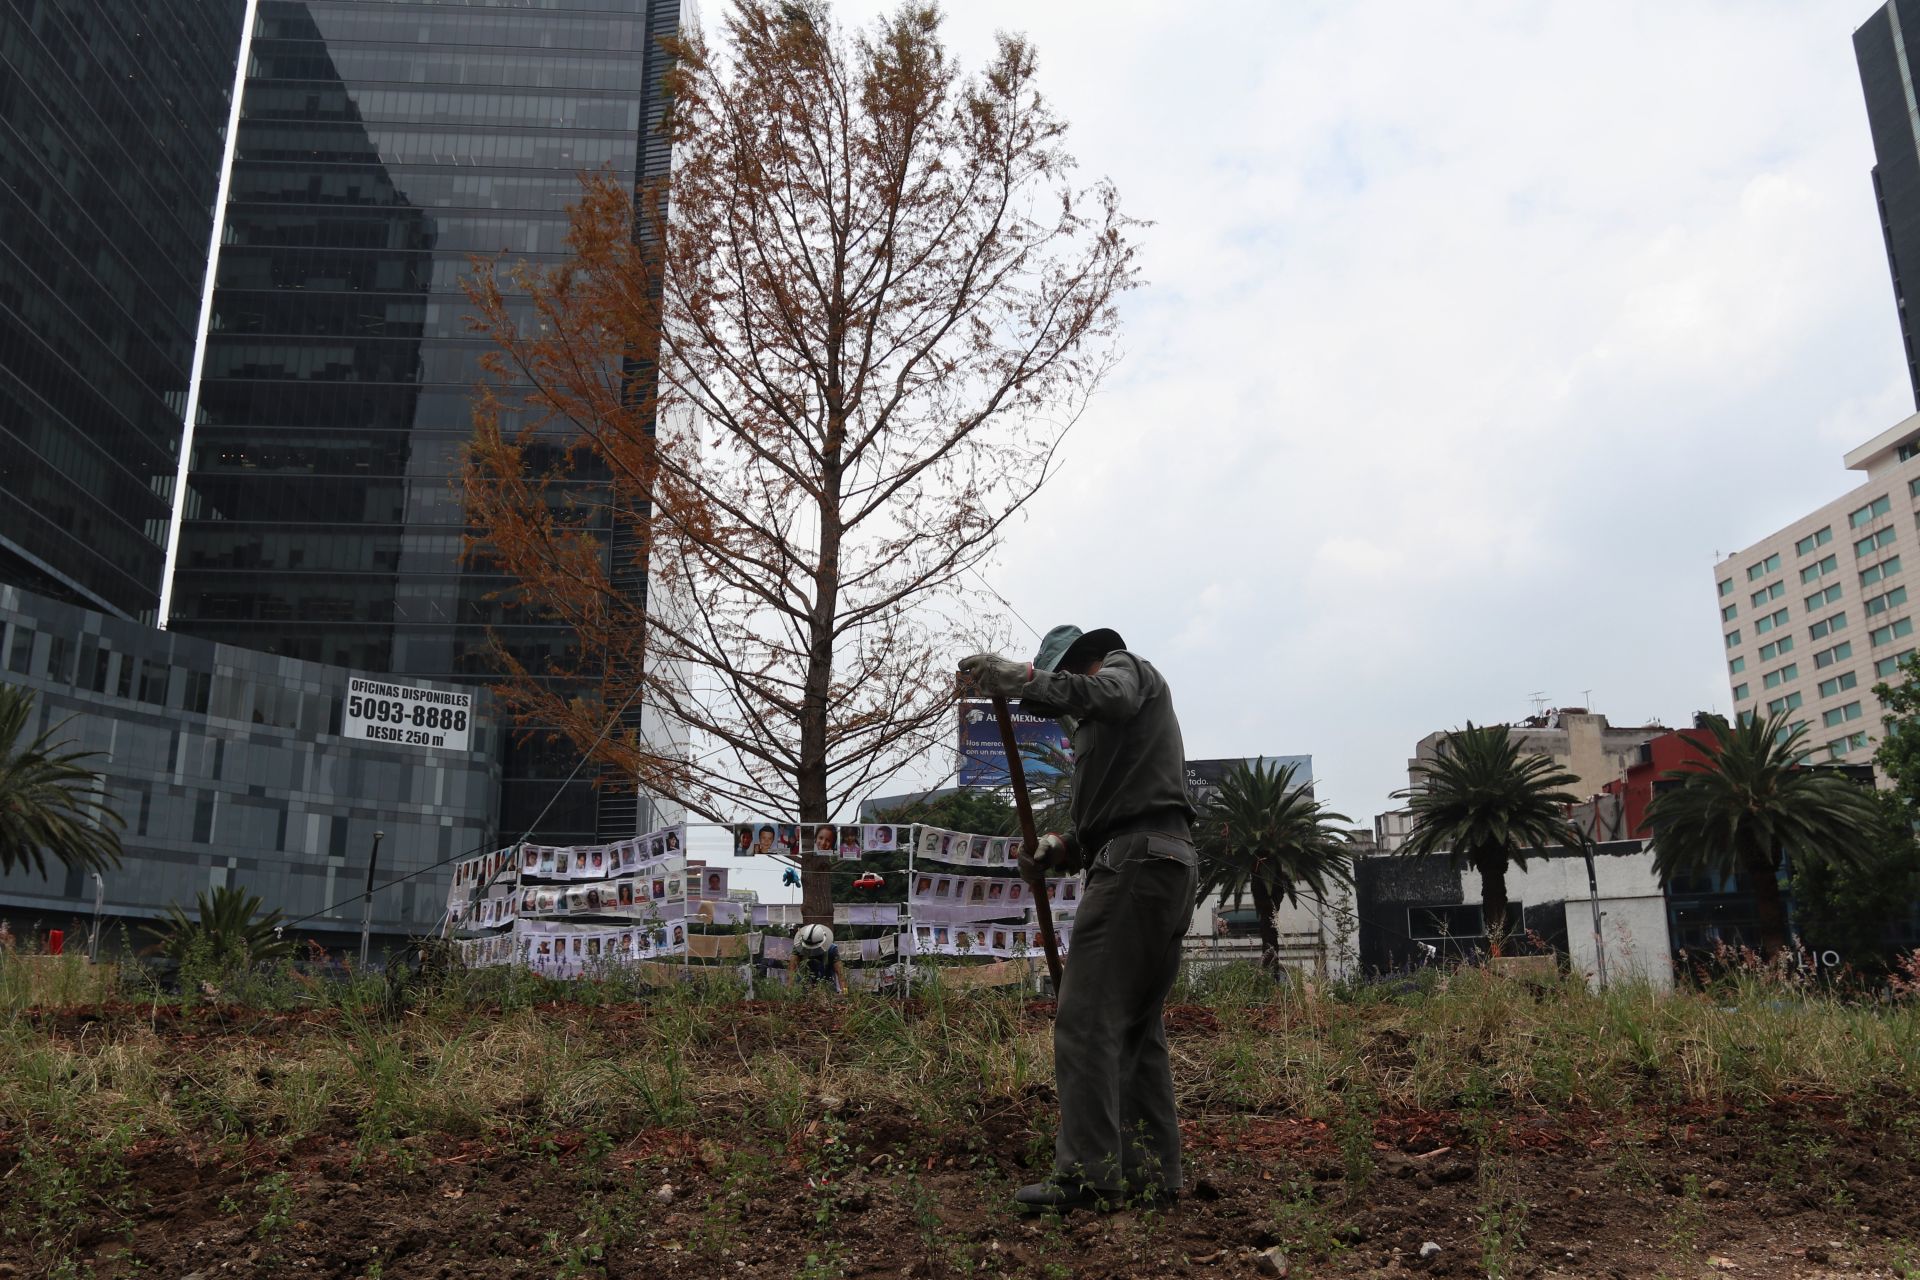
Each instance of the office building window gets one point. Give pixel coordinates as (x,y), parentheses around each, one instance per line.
(1838,684)
(1839,653)
(1851,742)
(1821,599)
(1872,543)
(1819,538)
(1772,591)
(1729,613)
(1733,637)
(1827,626)
(1776,619)
(1872,511)
(1882,603)
(1740,692)
(1761,569)
(1774,648)
(1726,587)
(1840,715)
(1819,568)
(1735,667)
(1790,702)
(1891,632)
(1774,679)
(1888,667)
(1885,569)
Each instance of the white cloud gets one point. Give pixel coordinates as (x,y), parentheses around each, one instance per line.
(1474,331)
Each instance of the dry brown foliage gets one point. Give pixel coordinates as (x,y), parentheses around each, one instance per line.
(875,300)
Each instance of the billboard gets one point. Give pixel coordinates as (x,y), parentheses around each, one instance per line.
(1203,776)
(983,757)
(406,715)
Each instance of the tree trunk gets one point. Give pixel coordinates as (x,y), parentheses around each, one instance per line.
(1769,907)
(1493,899)
(816,875)
(1264,907)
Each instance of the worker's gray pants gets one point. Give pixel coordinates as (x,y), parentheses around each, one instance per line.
(1118,1127)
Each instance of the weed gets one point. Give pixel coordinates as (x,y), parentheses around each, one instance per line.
(1301,1221)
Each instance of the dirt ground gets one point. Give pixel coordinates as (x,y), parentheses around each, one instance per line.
(855,1190)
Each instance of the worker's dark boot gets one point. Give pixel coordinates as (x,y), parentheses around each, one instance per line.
(1064,1196)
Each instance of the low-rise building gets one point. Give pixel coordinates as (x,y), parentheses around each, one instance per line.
(230,767)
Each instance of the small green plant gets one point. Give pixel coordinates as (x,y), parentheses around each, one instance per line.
(276,1192)
(1301,1221)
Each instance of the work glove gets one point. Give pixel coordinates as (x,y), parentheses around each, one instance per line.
(996,675)
(1050,854)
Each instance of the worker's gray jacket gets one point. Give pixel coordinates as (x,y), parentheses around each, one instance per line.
(1129,766)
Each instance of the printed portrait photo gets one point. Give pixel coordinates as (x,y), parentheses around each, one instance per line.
(923,886)
(825,839)
(947,852)
(673,886)
(560,862)
(940,936)
(979,893)
(1066,894)
(673,839)
(578,948)
(979,852)
(593,945)
(679,935)
(546,862)
(598,859)
(941,887)
(996,891)
(657,847)
(743,840)
(529,858)
(999,940)
(929,843)
(789,838)
(850,843)
(879,839)
(626,893)
(593,899)
(1015,891)
(714,885)
(763,839)
(659,888)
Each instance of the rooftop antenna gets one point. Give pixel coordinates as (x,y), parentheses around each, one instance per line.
(1539,700)
(1588,694)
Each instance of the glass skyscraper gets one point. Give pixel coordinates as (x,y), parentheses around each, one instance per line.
(1885,46)
(383,144)
(113,118)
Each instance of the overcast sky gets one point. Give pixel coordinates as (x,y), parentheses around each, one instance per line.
(1474,333)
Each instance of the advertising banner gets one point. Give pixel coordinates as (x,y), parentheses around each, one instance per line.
(983,757)
(406,715)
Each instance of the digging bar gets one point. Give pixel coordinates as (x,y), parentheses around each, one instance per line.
(1037,879)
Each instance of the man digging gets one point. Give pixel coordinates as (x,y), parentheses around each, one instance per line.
(1119,1135)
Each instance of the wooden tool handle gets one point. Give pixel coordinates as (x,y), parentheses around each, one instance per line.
(1017,774)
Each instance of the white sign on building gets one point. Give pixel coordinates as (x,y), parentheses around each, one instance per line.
(405,715)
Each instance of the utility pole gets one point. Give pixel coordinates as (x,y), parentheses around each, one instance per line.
(93,938)
(1593,895)
(366,911)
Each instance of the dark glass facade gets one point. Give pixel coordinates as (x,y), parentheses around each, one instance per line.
(113,119)
(384,144)
(1885,47)
(228,767)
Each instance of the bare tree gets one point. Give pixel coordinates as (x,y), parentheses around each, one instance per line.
(875,299)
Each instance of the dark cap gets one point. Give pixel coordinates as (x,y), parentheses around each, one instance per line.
(1066,647)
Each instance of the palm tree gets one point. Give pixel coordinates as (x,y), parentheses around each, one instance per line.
(1748,800)
(1261,834)
(231,932)
(50,802)
(1484,804)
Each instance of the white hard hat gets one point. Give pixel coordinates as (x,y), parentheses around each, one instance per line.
(813,940)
